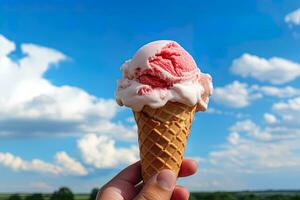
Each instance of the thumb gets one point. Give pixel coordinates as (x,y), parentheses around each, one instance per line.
(159,187)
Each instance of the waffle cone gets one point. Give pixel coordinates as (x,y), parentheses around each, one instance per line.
(162,135)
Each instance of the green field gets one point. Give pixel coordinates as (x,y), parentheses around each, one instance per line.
(47,196)
(260,195)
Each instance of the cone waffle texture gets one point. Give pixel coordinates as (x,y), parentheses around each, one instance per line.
(162,135)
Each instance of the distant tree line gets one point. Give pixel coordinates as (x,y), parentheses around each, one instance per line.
(239,196)
(65,193)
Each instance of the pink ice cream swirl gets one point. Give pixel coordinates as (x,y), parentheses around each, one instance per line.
(159,72)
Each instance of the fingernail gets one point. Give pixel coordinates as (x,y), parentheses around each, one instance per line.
(166,179)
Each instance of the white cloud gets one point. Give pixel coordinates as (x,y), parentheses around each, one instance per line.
(277,149)
(289,111)
(18,164)
(30,105)
(255,156)
(279,92)
(12,161)
(239,95)
(6,46)
(246,159)
(38,165)
(274,70)
(235,94)
(101,152)
(233,138)
(293,18)
(65,165)
(68,163)
(251,129)
(269,118)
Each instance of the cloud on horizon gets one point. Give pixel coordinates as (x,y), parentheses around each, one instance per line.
(64,165)
(293,18)
(250,153)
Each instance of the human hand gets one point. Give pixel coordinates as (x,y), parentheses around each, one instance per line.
(125,186)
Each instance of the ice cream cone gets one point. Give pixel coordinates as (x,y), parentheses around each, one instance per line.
(162,135)
(160,83)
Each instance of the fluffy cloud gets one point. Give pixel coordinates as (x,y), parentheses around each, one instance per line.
(253,156)
(251,129)
(233,138)
(73,166)
(269,118)
(274,70)
(279,92)
(288,111)
(235,94)
(101,152)
(293,18)
(239,95)
(256,148)
(6,46)
(251,153)
(65,165)
(31,105)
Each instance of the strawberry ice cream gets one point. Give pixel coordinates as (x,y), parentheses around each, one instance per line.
(164,87)
(159,72)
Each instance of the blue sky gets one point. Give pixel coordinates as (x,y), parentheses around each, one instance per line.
(59,63)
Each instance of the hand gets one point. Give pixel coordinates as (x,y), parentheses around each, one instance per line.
(125,186)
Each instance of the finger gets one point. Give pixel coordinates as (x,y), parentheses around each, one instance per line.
(131,174)
(159,187)
(188,168)
(122,185)
(180,193)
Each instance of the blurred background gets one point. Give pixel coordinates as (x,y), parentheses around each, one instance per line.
(59,63)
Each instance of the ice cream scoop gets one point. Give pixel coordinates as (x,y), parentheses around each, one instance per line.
(159,72)
(164,87)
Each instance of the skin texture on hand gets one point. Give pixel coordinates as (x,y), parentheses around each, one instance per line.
(127,184)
